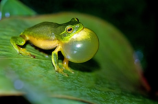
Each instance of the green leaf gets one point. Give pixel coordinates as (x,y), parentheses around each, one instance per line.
(110,77)
(14,8)
(6,87)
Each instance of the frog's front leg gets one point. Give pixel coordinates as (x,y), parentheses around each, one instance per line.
(55,61)
(20,41)
(57,64)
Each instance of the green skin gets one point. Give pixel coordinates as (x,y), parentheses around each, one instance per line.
(77,43)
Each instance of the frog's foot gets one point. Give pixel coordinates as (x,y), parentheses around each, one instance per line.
(60,70)
(65,67)
(25,52)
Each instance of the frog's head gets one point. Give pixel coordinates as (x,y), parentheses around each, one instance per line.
(80,44)
(69,29)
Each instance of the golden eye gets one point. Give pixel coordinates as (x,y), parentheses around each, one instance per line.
(69,29)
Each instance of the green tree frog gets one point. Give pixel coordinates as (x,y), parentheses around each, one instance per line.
(77,43)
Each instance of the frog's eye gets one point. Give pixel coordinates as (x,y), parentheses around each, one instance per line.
(69,29)
(77,19)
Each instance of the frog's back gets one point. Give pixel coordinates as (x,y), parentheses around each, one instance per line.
(42,35)
(44,30)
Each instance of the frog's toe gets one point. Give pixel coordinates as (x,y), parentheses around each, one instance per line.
(59,70)
(69,69)
(63,67)
(33,56)
(63,73)
(25,52)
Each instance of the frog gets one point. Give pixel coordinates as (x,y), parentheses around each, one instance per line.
(77,43)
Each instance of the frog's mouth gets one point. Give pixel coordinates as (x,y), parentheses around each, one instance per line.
(81,29)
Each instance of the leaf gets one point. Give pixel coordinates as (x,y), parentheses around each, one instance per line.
(6,87)
(110,77)
(14,8)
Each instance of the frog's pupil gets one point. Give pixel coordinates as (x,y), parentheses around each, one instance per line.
(70,29)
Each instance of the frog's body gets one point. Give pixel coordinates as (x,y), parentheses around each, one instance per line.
(42,35)
(71,38)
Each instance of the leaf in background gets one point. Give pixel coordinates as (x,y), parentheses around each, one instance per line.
(14,8)
(6,87)
(110,77)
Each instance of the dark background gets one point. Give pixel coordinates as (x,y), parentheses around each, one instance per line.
(135,18)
